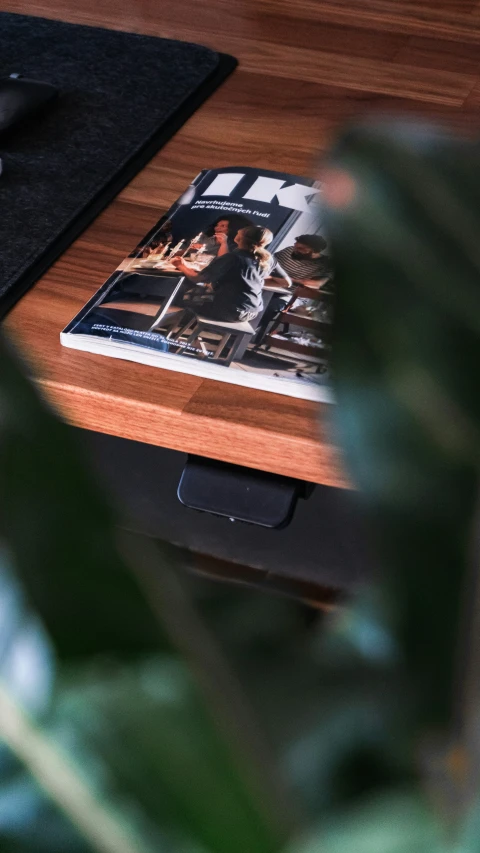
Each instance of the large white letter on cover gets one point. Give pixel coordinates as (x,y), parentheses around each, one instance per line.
(223,184)
(265,189)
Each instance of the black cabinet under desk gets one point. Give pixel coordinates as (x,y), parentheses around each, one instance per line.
(322,553)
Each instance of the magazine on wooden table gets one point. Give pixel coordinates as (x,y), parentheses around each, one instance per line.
(234,283)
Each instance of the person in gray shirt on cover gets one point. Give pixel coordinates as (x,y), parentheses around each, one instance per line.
(236,278)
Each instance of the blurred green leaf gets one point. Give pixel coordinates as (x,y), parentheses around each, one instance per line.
(115,738)
(395,823)
(402,211)
(60,531)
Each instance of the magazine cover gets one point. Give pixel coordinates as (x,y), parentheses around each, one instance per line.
(234,283)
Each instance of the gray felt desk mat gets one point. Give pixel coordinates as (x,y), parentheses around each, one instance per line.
(122,96)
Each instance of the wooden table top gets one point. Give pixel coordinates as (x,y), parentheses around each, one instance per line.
(305,68)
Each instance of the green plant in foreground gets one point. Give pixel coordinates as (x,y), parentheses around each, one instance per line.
(118,736)
(402,207)
(125,730)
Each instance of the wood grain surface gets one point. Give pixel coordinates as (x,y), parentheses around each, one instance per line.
(306,67)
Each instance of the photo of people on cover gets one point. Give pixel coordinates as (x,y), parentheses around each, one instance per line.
(233,282)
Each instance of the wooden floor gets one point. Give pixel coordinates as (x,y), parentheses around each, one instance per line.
(306,67)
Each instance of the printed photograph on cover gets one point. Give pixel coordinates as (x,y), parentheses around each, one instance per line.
(236,275)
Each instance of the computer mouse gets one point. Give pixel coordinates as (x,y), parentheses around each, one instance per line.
(21,98)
